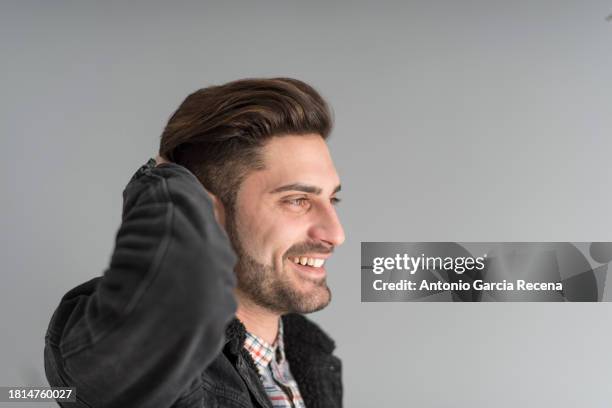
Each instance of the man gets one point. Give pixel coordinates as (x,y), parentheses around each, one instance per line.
(184,316)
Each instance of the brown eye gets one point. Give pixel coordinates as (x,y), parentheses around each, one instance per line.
(298,202)
(335,200)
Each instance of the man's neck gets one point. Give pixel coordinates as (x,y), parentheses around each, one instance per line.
(257,320)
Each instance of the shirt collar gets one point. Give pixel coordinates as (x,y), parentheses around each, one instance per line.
(263,352)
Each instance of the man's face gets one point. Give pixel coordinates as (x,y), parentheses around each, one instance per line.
(283,214)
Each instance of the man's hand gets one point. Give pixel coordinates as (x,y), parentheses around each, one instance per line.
(218,207)
(139,335)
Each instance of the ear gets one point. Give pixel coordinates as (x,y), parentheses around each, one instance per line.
(160,160)
(218,208)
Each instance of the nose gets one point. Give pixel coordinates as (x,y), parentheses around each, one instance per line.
(327,227)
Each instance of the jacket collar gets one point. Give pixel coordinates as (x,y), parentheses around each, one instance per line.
(300,333)
(308,350)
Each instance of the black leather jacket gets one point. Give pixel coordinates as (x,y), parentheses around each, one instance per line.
(158,328)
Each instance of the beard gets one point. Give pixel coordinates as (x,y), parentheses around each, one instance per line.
(275,290)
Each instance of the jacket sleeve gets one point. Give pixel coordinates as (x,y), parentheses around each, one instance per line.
(157,317)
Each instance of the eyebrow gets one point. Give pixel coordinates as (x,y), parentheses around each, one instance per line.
(305,188)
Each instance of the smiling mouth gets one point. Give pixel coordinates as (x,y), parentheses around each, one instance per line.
(306,261)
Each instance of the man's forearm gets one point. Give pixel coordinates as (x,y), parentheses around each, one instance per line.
(157,316)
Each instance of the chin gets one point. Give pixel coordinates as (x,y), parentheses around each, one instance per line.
(312,299)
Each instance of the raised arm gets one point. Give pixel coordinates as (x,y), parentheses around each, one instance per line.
(139,335)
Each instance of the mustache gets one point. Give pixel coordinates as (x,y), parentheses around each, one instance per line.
(304,247)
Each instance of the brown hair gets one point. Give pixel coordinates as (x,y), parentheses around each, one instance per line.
(217,132)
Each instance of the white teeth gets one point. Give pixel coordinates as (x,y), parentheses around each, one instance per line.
(315,262)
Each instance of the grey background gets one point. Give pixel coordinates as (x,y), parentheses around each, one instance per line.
(455,121)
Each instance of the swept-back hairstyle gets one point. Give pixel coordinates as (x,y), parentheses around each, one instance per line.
(218,132)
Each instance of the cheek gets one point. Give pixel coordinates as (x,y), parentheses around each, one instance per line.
(278,237)
(267,236)
(261,233)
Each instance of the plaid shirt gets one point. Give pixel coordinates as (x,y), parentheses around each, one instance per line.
(281,388)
